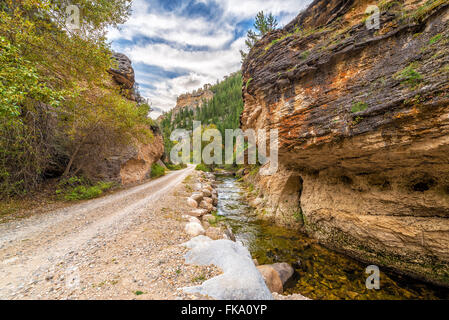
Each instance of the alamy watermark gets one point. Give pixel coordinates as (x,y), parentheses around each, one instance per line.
(73,17)
(373,21)
(373,281)
(72,277)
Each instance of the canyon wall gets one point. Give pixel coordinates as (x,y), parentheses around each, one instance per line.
(131,163)
(193,100)
(363,120)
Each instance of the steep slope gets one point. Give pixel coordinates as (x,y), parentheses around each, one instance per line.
(61,113)
(363,116)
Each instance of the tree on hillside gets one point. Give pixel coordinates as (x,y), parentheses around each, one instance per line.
(57,103)
(263,25)
(222,111)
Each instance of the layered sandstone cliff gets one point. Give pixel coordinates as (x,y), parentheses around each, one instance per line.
(193,100)
(131,163)
(363,117)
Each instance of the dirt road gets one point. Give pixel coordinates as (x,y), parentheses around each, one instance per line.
(122,246)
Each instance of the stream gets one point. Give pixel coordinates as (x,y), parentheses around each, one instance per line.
(320,274)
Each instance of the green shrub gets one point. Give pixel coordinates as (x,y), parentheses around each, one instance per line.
(157,171)
(435,39)
(409,75)
(358,107)
(203,167)
(426,8)
(305,54)
(76,188)
(386,5)
(175,167)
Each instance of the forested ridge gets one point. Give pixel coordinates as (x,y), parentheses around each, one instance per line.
(222,111)
(60,110)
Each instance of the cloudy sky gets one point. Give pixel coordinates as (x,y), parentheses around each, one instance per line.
(178,46)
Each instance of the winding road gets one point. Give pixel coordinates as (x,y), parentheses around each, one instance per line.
(31,249)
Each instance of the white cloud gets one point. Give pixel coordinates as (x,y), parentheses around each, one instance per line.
(173,36)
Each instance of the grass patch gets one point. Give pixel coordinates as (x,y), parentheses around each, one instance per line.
(435,39)
(359,107)
(216,219)
(176,167)
(9,207)
(76,188)
(200,278)
(409,75)
(280,39)
(357,121)
(426,8)
(203,167)
(254,171)
(386,5)
(157,171)
(299,215)
(305,54)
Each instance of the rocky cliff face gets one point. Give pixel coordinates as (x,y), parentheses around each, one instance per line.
(193,100)
(132,163)
(124,76)
(363,116)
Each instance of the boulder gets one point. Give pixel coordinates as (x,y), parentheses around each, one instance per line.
(214,233)
(240,279)
(192,203)
(197,196)
(209,200)
(197,186)
(208,206)
(194,220)
(256,202)
(194,229)
(272,278)
(124,73)
(210,218)
(198,213)
(206,225)
(284,270)
(207,192)
(293,297)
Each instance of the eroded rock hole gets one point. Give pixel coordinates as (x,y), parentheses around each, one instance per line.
(423,185)
(290,202)
(346,180)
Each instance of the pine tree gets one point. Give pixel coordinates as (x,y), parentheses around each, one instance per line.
(263,25)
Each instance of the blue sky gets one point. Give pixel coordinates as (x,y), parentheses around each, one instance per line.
(178,46)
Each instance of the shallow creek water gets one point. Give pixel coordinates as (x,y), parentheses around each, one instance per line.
(320,273)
